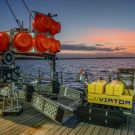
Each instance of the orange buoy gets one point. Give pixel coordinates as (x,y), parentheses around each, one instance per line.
(55,46)
(23,42)
(4,40)
(42,43)
(55,27)
(38,45)
(41,23)
(58,45)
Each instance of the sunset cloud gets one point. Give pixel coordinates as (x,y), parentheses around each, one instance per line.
(82,47)
(119,41)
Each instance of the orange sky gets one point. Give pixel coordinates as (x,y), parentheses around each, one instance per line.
(106,38)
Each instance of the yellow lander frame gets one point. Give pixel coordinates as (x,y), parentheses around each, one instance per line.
(123,101)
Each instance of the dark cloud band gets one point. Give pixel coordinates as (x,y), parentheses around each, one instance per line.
(83,47)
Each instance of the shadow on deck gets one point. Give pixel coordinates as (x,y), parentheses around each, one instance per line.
(32,122)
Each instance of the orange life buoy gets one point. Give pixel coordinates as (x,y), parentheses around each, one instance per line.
(41,23)
(23,42)
(55,46)
(55,27)
(42,43)
(4,40)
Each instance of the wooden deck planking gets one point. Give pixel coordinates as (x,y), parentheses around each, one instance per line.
(32,130)
(103,131)
(131,127)
(53,130)
(9,122)
(14,121)
(96,130)
(25,107)
(124,130)
(83,129)
(11,119)
(110,131)
(20,128)
(32,122)
(117,131)
(67,131)
(90,129)
(9,125)
(60,131)
(75,130)
(40,130)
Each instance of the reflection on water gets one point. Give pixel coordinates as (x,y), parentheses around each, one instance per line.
(95,68)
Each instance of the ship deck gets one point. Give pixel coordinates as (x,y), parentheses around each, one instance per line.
(32,122)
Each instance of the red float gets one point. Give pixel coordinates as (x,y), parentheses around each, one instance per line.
(23,42)
(4,41)
(55,27)
(41,23)
(42,43)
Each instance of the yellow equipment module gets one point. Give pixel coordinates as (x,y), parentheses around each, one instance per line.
(110,88)
(119,88)
(115,94)
(97,87)
(100,87)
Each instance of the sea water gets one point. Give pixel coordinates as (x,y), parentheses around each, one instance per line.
(70,68)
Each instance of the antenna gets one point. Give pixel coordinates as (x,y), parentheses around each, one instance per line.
(52,15)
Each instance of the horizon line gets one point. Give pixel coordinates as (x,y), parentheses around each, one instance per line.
(96,58)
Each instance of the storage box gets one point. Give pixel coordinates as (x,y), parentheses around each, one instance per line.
(109,89)
(100,87)
(119,89)
(91,87)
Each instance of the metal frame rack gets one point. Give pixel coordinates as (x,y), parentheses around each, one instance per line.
(9,73)
(46,104)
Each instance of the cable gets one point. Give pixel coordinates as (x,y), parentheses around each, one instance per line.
(17,21)
(126,87)
(27,8)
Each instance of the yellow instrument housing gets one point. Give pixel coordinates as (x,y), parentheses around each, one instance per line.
(111,94)
(110,88)
(97,87)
